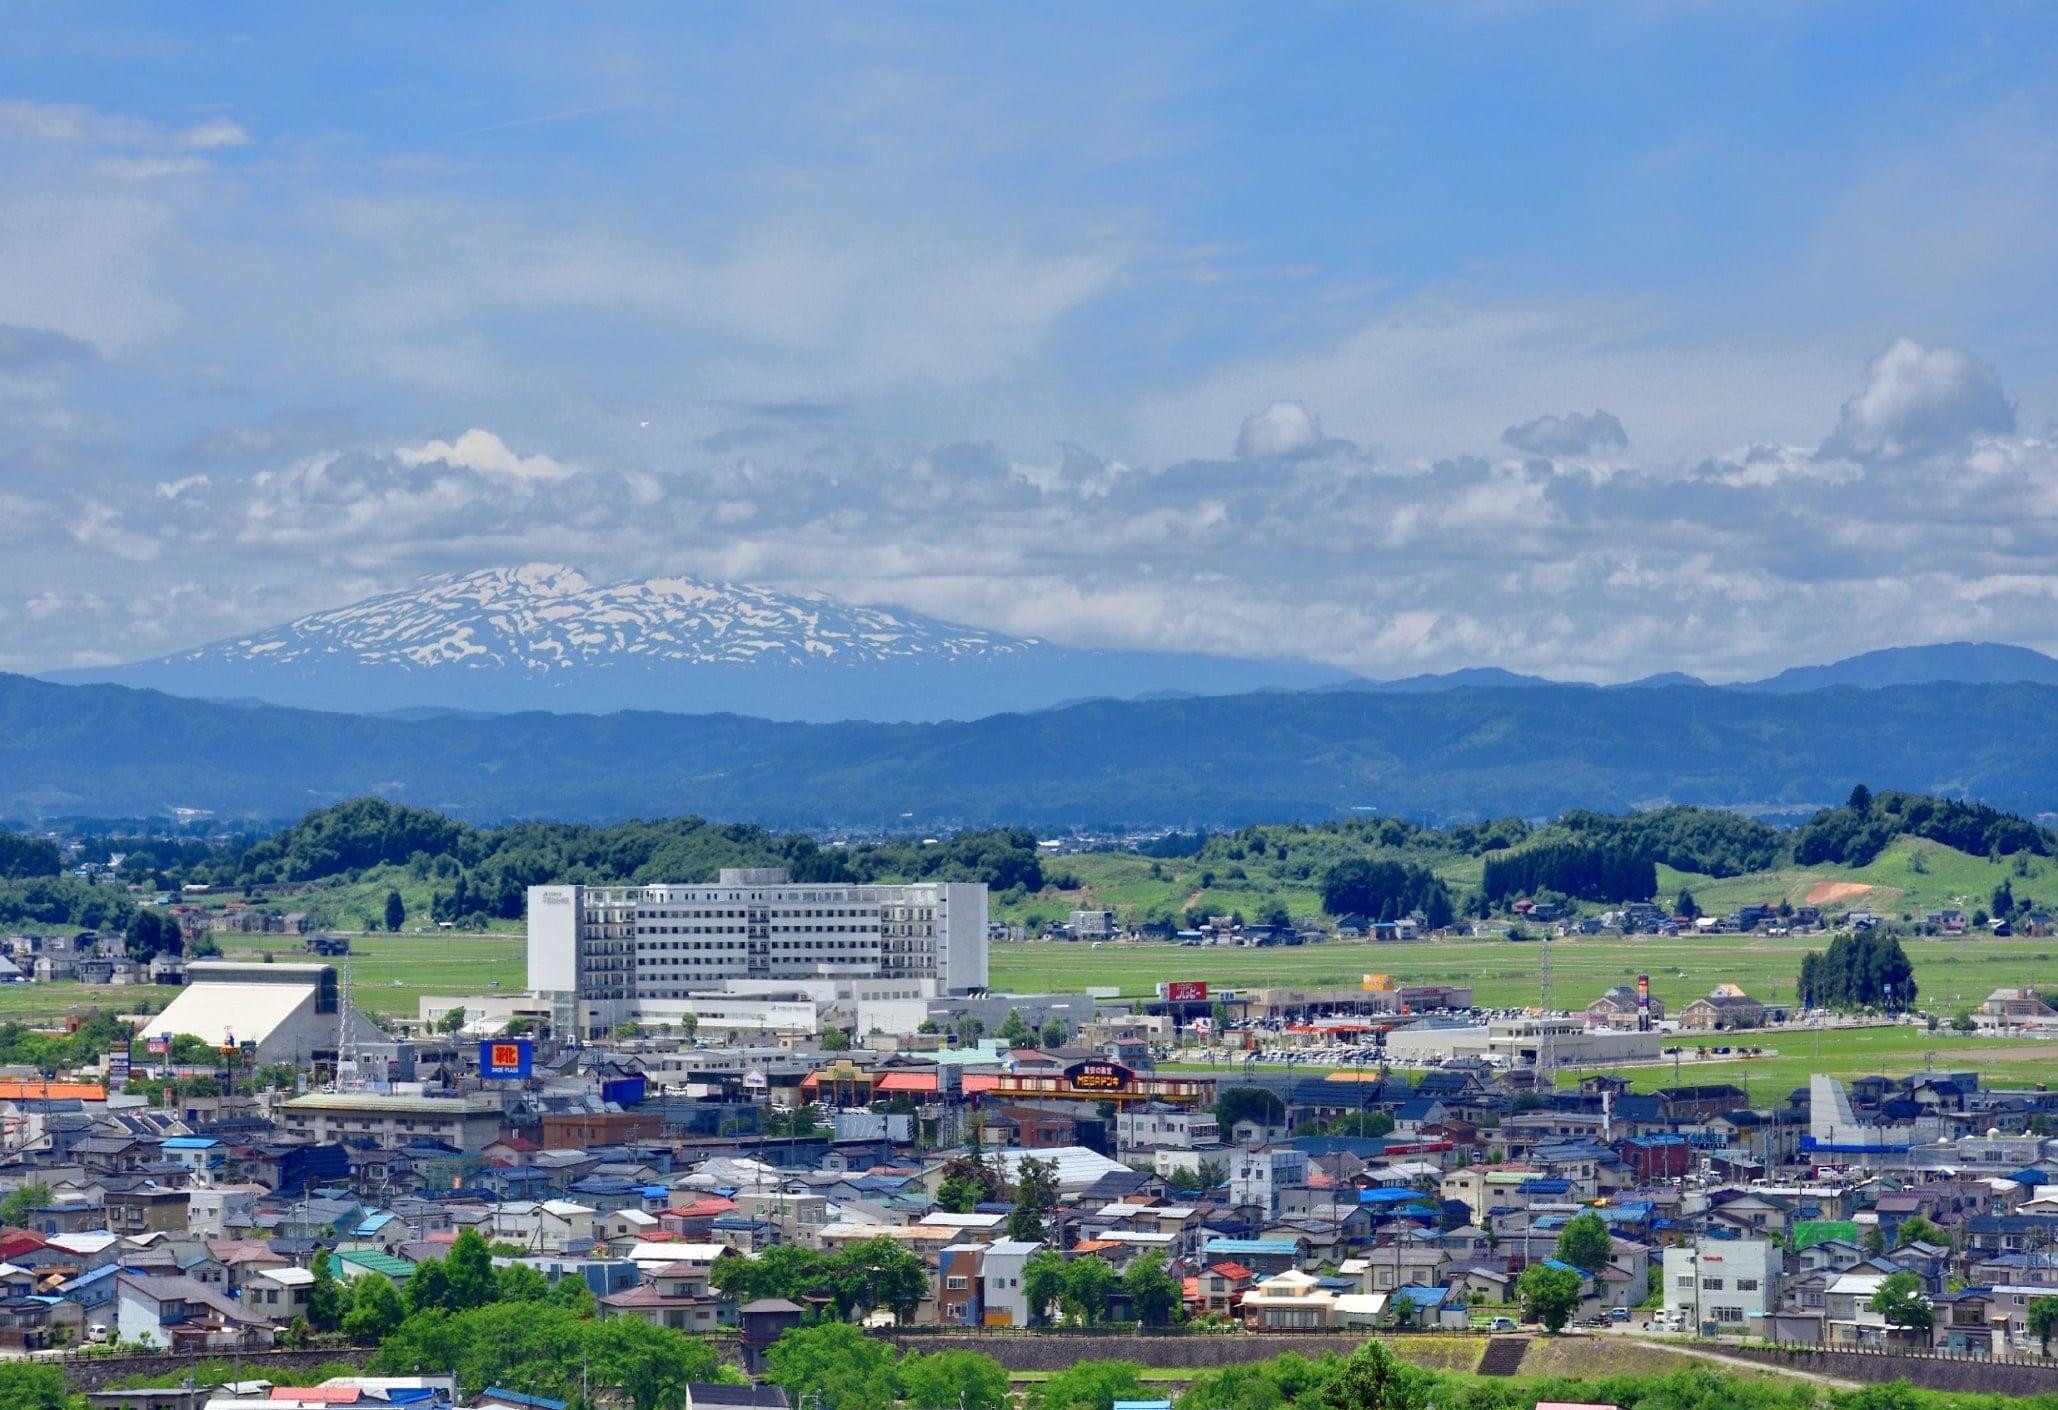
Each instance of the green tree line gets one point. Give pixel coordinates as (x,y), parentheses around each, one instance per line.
(1604,871)
(1862,970)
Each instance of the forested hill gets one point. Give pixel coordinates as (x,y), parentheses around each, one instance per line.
(487,871)
(1378,867)
(1467,753)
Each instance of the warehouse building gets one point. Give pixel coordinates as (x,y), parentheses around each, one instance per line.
(273,1013)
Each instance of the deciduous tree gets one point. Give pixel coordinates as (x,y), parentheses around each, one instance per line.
(1089,1385)
(1154,1294)
(1373,1378)
(948,1380)
(1901,1301)
(838,1363)
(1548,1295)
(1584,1243)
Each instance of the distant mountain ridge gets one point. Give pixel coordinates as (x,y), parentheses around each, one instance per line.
(544,636)
(1533,752)
(1967,662)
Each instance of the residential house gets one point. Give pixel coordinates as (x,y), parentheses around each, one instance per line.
(1289,1302)
(180,1315)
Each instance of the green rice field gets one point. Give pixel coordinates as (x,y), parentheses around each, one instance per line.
(389,974)
(1950,974)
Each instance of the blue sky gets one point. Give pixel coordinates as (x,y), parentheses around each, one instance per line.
(1187,326)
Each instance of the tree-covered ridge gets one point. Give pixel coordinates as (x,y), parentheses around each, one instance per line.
(1586,871)
(1858,832)
(1704,840)
(28,856)
(486,872)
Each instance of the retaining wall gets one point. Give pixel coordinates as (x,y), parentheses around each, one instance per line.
(1999,1376)
(1054,1351)
(87,1372)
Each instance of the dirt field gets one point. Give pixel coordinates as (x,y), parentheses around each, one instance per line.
(1829,892)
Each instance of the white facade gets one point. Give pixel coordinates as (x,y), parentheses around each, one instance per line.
(652,952)
(1001,1272)
(292,1013)
(1257,1176)
(1726,1282)
(1150,1128)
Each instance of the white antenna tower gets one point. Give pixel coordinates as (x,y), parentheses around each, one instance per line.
(348,1058)
(1544,1056)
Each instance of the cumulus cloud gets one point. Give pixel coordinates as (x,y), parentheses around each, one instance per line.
(1572,434)
(1756,559)
(489,455)
(1920,401)
(1282,430)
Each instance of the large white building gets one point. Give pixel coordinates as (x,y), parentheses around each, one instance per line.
(1723,1285)
(291,1013)
(613,954)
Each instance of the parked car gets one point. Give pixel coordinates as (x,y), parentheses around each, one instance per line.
(1501,1324)
(1618,1314)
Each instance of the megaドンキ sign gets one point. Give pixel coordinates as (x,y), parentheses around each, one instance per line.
(1099,1077)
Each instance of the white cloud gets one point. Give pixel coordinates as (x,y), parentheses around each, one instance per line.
(489,455)
(214,135)
(1281,430)
(1920,401)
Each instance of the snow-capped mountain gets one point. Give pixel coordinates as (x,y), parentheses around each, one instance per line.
(545,618)
(544,636)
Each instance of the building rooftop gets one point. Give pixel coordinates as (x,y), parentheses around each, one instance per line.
(389,1101)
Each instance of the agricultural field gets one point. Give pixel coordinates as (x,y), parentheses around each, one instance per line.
(1951,974)
(389,974)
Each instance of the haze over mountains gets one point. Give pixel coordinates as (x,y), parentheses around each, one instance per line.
(546,637)
(1469,752)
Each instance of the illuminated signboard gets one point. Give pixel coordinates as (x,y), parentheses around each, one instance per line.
(1099,1077)
(1187,991)
(505,1058)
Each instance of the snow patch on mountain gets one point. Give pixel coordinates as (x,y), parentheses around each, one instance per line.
(543,618)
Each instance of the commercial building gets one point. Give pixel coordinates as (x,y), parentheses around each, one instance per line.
(616,954)
(1727,1007)
(1722,1284)
(1523,1041)
(273,1013)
